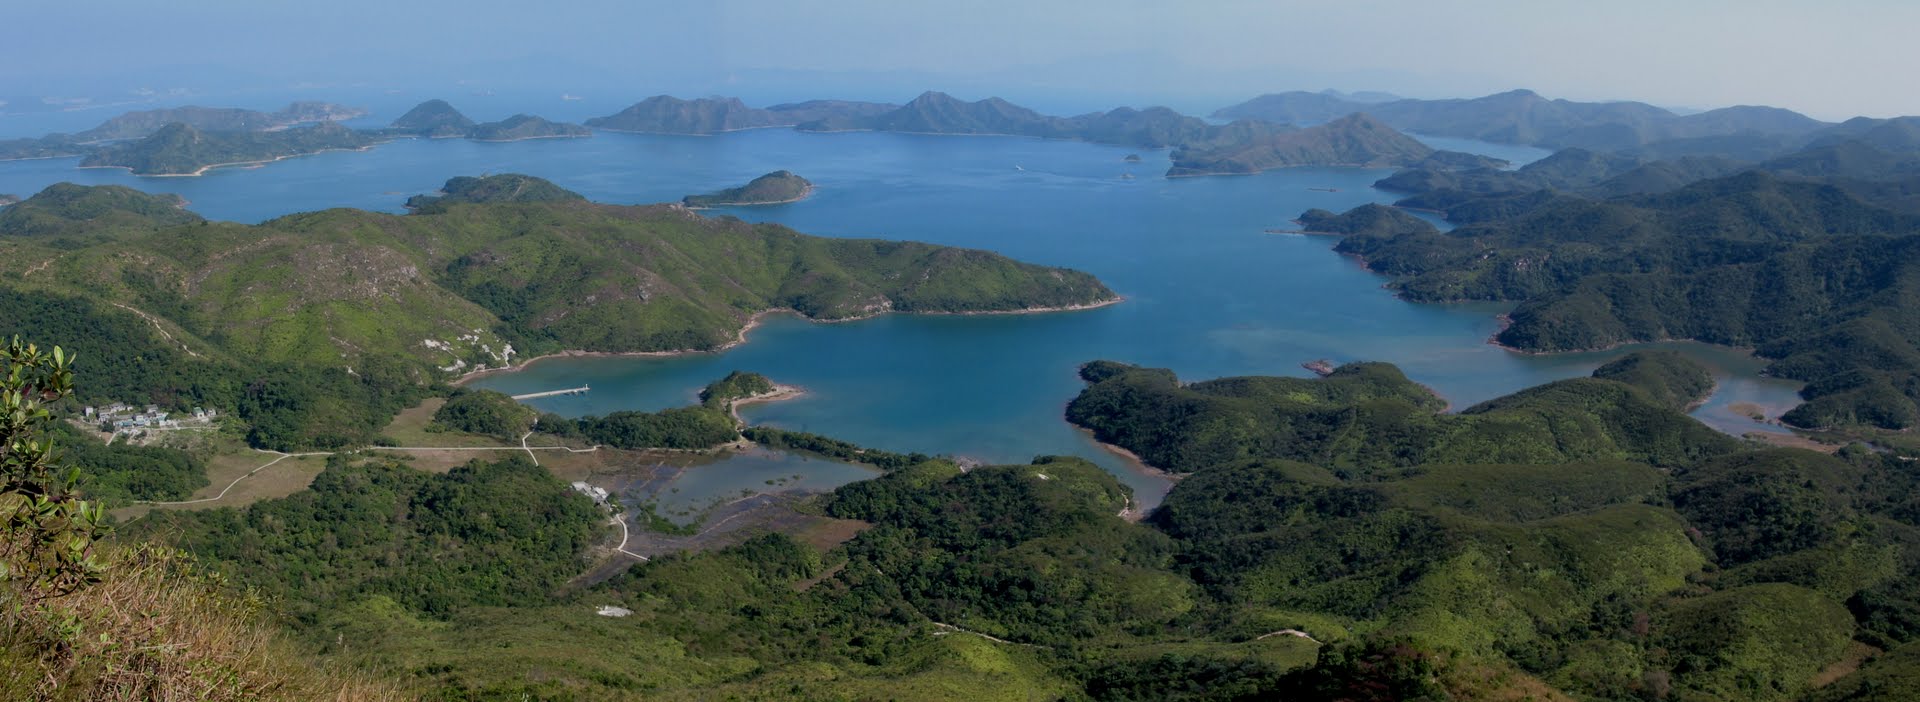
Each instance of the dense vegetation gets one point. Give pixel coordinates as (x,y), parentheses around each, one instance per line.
(1803,271)
(485,534)
(121,472)
(285,405)
(1367,421)
(1378,220)
(180,149)
(737,385)
(81,619)
(483,412)
(1577,540)
(433,119)
(770,189)
(830,447)
(502,187)
(316,328)
(685,428)
(520,127)
(1668,377)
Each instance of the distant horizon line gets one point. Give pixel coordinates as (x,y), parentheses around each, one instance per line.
(761,99)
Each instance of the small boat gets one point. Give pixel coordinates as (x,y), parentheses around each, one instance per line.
(1325,190)
(1017,167)
(1126,176)
(570,97)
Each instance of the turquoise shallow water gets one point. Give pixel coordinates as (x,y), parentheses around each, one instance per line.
(1209,291)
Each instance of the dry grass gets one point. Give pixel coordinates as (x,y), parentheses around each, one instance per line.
(154,629)
(409,428)
(282,479)
(828,532)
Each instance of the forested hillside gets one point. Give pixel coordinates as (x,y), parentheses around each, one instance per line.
(1803,271)
(316,328)
(1579,540)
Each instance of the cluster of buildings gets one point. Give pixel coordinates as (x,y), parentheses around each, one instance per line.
(599,494)
(121,417)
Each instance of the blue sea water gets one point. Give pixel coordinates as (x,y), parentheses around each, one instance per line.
(1209,290)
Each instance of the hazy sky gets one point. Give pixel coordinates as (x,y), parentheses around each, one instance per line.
(1830,59)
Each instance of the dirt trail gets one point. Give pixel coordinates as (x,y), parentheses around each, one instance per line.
(157,326)
(283,456)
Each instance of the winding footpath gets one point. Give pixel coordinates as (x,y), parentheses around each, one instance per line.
(280,456)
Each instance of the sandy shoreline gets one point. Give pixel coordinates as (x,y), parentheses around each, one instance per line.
(753,322)
(1133,459)
(780,393)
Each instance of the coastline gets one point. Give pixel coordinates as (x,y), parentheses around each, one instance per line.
(1115,300)
(1205,174)
(698,134)
(1132,459)
(781,393)
(753,322)
(527,138)
(804,194)
(739,338)
(203,169)
(1507,321)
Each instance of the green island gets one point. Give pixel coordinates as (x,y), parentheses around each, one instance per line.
(502,187)
(1354,140)
(778,187)
(181,149)
(434,118)
(520,127)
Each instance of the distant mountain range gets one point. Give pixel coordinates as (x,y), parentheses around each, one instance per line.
(1625,147)
(665,114)
(438,119)
(136,125)
(1524,117)
(143,123)
(1876,160)
(1354,140)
